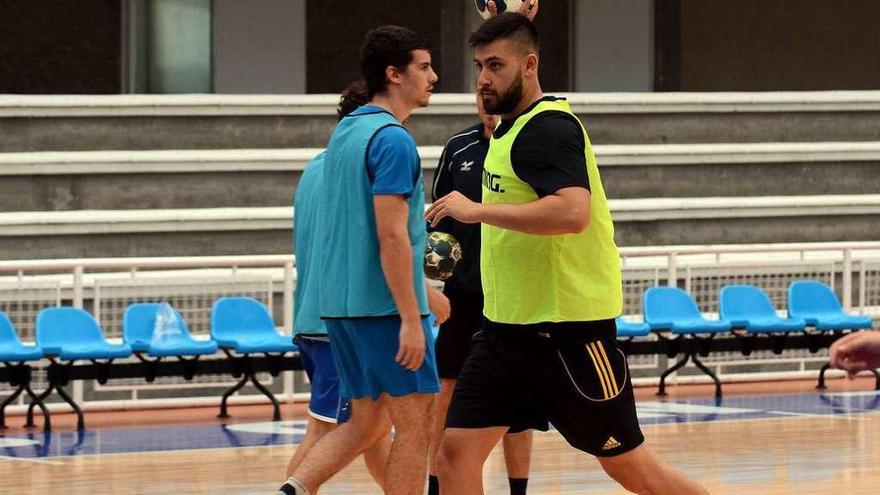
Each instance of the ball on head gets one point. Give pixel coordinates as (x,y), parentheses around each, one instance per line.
(502,5)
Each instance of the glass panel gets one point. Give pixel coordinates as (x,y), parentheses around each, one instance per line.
(179,49)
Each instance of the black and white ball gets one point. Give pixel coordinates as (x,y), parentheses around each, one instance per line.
(442,254)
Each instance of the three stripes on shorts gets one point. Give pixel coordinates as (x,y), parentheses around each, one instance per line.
(603,368)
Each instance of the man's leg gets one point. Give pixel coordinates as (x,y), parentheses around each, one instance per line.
(452,350)
(376,459)
(315,429)
(447,385)
(517,458)
(582,381)
(641,471)
(335,450)
(413,418)
(461,457)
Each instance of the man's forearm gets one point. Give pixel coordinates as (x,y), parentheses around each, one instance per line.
(546,216)
(396,257)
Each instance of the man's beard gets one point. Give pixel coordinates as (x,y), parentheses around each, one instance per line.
(507,102)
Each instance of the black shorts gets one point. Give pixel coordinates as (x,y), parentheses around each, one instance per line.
(572,375)
(456,334)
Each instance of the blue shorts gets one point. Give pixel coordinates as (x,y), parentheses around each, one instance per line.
(325,404)
(365,349)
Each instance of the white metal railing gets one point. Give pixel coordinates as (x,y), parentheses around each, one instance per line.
(80,281)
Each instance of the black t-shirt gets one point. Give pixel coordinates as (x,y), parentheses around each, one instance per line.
(461,169)
(548,153)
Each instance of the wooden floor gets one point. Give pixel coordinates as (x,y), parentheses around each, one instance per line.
(788,454)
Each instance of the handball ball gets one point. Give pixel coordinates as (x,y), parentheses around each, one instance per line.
(442,253)
(503,6)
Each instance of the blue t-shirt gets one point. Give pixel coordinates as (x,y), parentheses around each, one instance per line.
(392,159)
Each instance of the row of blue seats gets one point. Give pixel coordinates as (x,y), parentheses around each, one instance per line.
(810,304)
(244,325)
(239,324)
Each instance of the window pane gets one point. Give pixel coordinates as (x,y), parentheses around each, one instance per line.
(179,51)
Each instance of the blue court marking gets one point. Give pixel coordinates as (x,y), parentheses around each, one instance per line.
(193,437)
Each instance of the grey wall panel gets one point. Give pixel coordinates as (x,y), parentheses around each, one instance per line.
(259,46)
(614,45)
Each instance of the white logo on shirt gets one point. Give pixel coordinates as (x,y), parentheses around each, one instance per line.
(466,166)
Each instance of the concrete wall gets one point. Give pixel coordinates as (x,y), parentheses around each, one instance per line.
(259,46)
(292,131)
(196,189)
(613,45)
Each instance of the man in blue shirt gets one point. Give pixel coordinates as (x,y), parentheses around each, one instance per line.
(326,408)
(373,296)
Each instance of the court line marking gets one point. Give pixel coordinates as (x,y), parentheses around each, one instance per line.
(786,416)
(770,418)
(790,413)
(36,460)
(207,449)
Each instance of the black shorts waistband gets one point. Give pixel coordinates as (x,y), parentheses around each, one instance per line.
(568,330)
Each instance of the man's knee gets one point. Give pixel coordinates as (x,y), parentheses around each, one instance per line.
(413,412)
(370,420)
(635,472)
(445,461)
(451,456)
(631,481)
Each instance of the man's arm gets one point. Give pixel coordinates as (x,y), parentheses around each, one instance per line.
(548,155)
(566,211)
(438,303)
(441,187)
(397,262)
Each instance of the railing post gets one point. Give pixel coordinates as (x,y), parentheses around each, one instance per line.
(672,270)
(847,279)
(78,287)
(861,287)
(288,324)
(78,297)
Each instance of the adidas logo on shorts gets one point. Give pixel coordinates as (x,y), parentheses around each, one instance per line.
(611,443)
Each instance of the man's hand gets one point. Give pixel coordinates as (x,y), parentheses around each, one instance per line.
(455,205)
(529,8)
(439,305)
(411,352)
(856,352)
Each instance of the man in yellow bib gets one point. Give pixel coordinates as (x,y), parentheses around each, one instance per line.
(551,278)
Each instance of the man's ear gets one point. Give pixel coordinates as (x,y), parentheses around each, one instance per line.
(392,74)
(531,64)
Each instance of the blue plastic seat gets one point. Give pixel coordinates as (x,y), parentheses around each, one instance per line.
(11,348)
(71,333)
(137,331)
(244,325)
(670,308)
(632,329)
(817,304)
(748,307)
